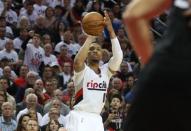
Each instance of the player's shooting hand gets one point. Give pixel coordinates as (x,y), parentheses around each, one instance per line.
(108,22)
(109,25)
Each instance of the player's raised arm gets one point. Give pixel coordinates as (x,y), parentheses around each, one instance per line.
(136,17)
(79,60)
(116,59)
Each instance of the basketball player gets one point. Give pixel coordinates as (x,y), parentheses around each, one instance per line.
(91,82)
(163,92)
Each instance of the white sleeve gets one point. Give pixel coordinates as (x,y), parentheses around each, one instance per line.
(78,76)
(115,61)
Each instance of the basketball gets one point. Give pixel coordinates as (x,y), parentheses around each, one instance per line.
(93,23)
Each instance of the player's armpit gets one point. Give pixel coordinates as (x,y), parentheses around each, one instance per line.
(112,71)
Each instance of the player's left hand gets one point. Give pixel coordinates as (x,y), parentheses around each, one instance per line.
(109,25)
(107,21)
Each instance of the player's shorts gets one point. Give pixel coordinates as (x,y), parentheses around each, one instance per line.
(83,121)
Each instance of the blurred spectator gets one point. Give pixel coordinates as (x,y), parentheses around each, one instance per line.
(7,123)
(18,41)
(117,84)
(113,119)
(49,57)
(68,93)
(64,56)
(39,90)
(3,38)
(53,125)
(68,40)
(11,15)
(9,53)
(31,103)
(49,17)
(8,30)
(65,76)
(30,81)
(57,102)
(29,12)
(34,54)
(32,125)
(40,26)
(22,105)
(22,123)
(39,7)
(53,114)
(49,90)
(5,85)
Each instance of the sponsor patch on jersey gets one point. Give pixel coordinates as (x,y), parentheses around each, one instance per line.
(96,86)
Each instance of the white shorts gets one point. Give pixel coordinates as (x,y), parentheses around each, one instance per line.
(83,121)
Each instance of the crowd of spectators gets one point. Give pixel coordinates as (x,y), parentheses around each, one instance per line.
(38,42)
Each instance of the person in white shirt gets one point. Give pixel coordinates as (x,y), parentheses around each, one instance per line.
(39,7)
(9,53)
(18,41)
(31,101)
(29,12)
(91,82)
(11,15)
(34,54)
(48,56)
(54,113)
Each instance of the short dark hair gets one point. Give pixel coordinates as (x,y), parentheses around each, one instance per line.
(116,96)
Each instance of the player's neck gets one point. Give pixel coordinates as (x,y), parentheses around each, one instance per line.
(95,67)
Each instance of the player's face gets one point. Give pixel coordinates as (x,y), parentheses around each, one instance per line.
(95,52)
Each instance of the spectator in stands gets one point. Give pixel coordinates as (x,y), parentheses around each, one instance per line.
(7,123)
(68,93)
(113,119)
(18,41)
(3,98)
(30,81)
(22,105)
(49,17)
(47,39)
(31,103)
(49,90)
(32,125)
(117,84)
(8,30)
(57,102)
(40,26)
(53,114)
(34,54)
(48,56)
(53,125)
(24,23)
(47,73)
(66,75)
(3,38)
(39,7)
(22,123)
(10,14)
(29,12)
(39,90)
(5,85)
(9,53)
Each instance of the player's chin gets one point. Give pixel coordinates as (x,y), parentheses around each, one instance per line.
(95,60)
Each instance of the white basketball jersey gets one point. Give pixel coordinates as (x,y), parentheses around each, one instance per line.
(92,89)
